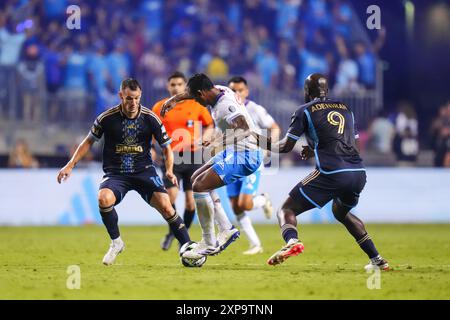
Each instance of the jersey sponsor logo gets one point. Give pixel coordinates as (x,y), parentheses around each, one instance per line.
(323,106)
(130,140)
(127,149)
(231,108)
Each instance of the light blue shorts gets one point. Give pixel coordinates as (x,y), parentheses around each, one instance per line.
(232,166)
(248,185)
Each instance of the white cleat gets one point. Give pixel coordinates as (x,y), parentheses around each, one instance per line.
(226,237)
(201,250)
(253,250)
(268,209)
(116,247)
(378,264)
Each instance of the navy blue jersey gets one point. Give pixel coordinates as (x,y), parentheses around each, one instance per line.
(330,130)
(128,141)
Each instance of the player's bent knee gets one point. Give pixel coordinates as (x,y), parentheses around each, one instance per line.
(167,211)
(339,211)
(106,198)
(245,204)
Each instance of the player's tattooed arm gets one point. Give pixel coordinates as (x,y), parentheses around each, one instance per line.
(81,151)
(169,104)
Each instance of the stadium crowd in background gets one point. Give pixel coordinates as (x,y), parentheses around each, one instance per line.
(75,74)
(273,43)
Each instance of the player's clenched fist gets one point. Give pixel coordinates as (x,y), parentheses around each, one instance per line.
(307,152)
(64,173)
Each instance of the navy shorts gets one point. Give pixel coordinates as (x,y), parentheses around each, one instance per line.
(145,183)
(317,189)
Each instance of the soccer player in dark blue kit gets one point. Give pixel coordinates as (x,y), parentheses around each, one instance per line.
(128,130)
(339,176)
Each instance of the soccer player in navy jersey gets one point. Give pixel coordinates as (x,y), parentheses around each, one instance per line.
(339,176)
(128,130)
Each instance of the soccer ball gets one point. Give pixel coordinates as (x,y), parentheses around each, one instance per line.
(189,262)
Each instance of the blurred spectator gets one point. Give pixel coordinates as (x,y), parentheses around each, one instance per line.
(21,157)
(310,62)
(155,63)
(268,67)
(31,77)
(440,136)
(347,72)
(55,9)
(381,134)
(97,67)
(10,43)
(406,144)
(75,82)
(287,18)
(118,64)
(342,12)
(366,63)
(217,68)
(152,11)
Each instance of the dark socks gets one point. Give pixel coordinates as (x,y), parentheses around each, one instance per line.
(368,247)
(178,229)
(289,231)
(110,220)
(174,208)
(356,227)
(188,217)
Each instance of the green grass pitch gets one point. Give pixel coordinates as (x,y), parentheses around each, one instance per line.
(34,262)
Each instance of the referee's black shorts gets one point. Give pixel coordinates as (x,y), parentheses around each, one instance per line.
(183,171)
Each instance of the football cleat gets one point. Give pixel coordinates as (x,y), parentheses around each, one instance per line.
(268,209)
(201,250)
(167,241)
(293,248)
(226,237)
(253,250)
(380,264)
(116,247)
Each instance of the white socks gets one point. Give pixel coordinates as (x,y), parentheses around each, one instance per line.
(205,211)
(117,241)
(249,231)
(258,201)
(219,214)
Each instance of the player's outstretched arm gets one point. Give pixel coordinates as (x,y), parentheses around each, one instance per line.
(81,151)
(168,162)
(169,104)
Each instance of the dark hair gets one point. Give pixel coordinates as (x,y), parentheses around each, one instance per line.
(131,83)
(177,74)
(198,82)
(237,79)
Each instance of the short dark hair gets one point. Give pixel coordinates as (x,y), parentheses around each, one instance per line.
(131,83)
(237,79)
(177,74)
(198,82)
